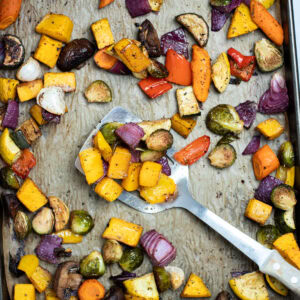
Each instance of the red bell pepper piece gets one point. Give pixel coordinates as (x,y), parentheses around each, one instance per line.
(240,59)
(24,164)
(154,87)
(193,151)
(244,73)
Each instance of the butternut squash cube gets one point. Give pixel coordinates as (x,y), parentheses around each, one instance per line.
(50,294)
(31,196)
(40,279)
(195,288)
(30,130)
(36,113)
(48,51)
(24,292)
(65,80)
(119,163)
(164,190)
(57,26)
(29,90)
(183,126)
(131,55)
(241,22)
(293,257)
(8,89)
(102,33)
(149,174)
(270,128)
(28,264)
(258,211)
(104,147)
(92,165)
(108,189)
(286,242)
(131,182)
(123,231)
(69,237)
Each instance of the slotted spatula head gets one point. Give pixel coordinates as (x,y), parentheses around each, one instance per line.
(179,173)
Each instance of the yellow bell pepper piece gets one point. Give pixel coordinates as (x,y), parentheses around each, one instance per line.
(103,146)
(69,237)
(9,151)
(287,175)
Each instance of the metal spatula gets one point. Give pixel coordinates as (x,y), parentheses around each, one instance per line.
(268,261)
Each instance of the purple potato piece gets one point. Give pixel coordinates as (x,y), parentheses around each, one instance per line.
(138,8)
(122,277)
(46,248)
(11,116)
(247,112)
(253,146)
(218,19)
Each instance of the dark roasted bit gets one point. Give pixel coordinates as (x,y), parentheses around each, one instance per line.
(14,52)
(223,296)
(114,293)
(62,252)
(157,69)
(12,204)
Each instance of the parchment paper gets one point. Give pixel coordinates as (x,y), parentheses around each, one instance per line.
(225,192)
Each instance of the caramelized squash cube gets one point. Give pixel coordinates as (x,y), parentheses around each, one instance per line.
(108,189)
(183,126)
(24,292)
(258,211)
(29,90)
(102,33)
(36,113)
(30,130)
(65,80)
(131,182)
(149,174)
(104,147)
(28,264)
(270,128)
(8,89)
(40,279)
(50,294)
(119,163)
(195,288)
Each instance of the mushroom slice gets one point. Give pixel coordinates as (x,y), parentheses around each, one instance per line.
(61,212)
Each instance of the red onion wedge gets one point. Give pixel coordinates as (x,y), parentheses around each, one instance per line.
(119,68)
(247,112)
(49,117)
(253,146)
(165,165)
(135,155)
(11,116)
(131,134)
(138,8)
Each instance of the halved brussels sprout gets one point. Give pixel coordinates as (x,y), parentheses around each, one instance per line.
(222,156)
(283,197)
(108,131)
(43,221)
(112,251)
(131,259)
(160,140)
(8,179)
(22,225)
(267,235)
(162,278)
(81,222)
(286,155)
(92,266)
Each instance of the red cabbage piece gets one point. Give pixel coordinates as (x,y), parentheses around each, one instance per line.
(175,40)
(45,249)
(2,52)
(253,146)
(135,155)
(275,100)
(263,192)
(230,7)
(218,19)
(165,165)
(11,116)
(131,134)
(138,8)
(49,117)
(158,248)
(119,68)
(122,277)
(247,112)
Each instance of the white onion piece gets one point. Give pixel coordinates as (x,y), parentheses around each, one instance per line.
(177,276)
(30,70)
(52,100)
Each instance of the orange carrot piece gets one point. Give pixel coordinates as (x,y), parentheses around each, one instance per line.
(103,60)
(266,22)
(264,162)
(9,11)
(201,70)
(91,289)
(104,3)
(179,68)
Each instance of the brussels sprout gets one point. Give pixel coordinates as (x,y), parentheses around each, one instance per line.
(162,278)
(131,259)
(283,197)
(222,156)
(81,222)
(160,140)
(92,266)
(267,235)
(108,131)
(43,221)
(150,155)
(223,119)
(224,295)
(22,225)
(112,251)
(286,155)
(285,220)
(8,179)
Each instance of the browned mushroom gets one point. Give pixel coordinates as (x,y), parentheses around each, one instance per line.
(66,279)
(223,296)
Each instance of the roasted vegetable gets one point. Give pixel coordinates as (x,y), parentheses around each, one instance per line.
(195,25)
(45,250)
(24,164)
(183,126)
(131,182)
(263,192)
(147,35)
(285,220)
(43,221)
(138,8)
(74,54)
(29,90)
(81,222)
(57,26)
(276,285)
(114,293)
(149,155)
(222,156)
(65,80)
(108,189)
(92,266)
(149,174)
(112,251)
(68,237)
(100,143)
(223,119)
(143,287)
(258,211)
(286,155)
(52,100)
(269,58)
(162,278)
(8,179)
(91,289)
(124,232)
(247,112)
(10,119)
(8,89)
(166,169)
(221,72)
(41,279)
(28,264)
(11,204)
(102,33)
(160,140)
(187,102)
(157,69)
(154,87)
(283,197)
(286,175)
(98,91)
(66,280)
(218,19)
(224,295)
(9,12)
(22,225)
(8,149)
(61,212)
(30,70)
(24,292)
(150,126)
(177,276)
(119,163)
(267,234)
(130,133)
(270,128)
(131,259)
(250,286)
(36,113)
(195,288)
(108,131)
(14,52)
